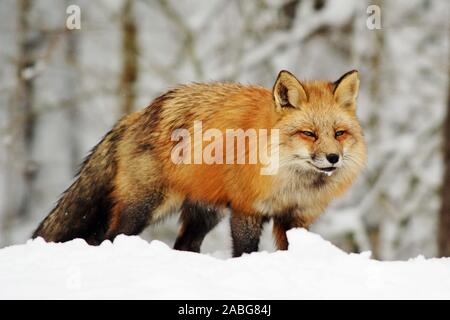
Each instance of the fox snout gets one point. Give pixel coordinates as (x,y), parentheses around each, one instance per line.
(326,160)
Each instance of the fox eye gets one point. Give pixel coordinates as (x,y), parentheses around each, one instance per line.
(339,133)
(308,134)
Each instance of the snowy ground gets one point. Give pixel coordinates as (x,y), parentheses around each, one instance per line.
(131,268)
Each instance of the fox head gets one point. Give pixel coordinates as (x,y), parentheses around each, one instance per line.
(319,130)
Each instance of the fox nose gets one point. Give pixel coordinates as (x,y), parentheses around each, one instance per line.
(332,158)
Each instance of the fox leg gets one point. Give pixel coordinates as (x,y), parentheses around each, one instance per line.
(132,218)
(284,223)
(246,231)
(196,221)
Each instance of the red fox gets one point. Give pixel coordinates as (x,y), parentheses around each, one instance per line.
(130,180)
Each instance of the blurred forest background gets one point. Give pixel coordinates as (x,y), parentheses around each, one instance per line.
(61,90)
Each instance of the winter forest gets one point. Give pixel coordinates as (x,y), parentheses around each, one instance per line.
(62,89)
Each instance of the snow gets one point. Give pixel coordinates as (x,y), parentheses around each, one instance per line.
(131,268)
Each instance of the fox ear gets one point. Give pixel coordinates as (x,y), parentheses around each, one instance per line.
(345,89)
(288,91)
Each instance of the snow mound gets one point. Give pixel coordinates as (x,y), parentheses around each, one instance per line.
(131,268)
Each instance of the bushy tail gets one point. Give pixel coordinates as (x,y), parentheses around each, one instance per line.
(82,211)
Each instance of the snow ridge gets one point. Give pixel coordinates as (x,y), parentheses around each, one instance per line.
(131,268)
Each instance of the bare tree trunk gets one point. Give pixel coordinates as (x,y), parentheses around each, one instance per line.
(373,222)
(72,79)
(28,44)
(127,87)
(444,217)
(20,171)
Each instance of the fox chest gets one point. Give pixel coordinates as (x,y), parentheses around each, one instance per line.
(304,195)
